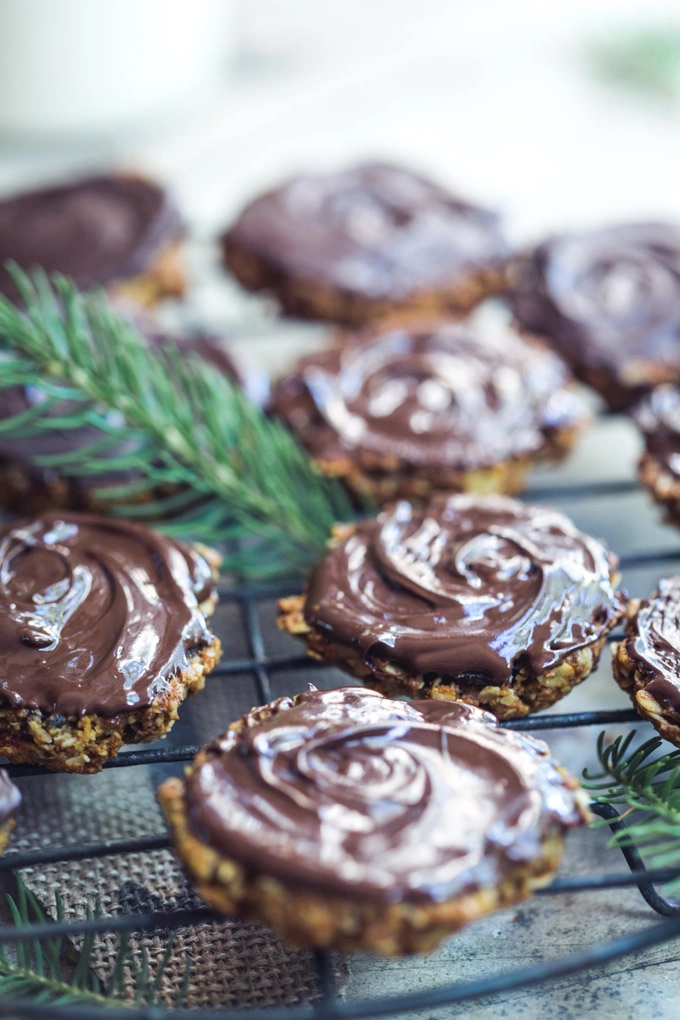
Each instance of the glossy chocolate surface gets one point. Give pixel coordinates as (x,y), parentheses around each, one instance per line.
(653,644)
(10,798)
(375,231)
(658,418)
(471,587)
(96,614)
(96,230)
(439,394)
(349,792)
(608,299)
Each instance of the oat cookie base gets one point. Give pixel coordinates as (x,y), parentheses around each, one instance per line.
(85,743)
(164,278)
(5,832)
(307,299)
(632,677)
(529,692)
(386,479)
(307,918)
(664,486)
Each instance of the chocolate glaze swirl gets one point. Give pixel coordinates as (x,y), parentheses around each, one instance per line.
(438,394)
(471,587)
(96,614)
(96,230)
(10,797)
(374,230)
(348,792)
(609,299)
(658,418)
(654,643)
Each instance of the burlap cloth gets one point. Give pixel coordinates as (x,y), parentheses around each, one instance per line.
(231,964)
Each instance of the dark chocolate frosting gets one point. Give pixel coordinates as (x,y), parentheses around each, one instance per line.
(653,643)
(609,300)
(470,587)
(17,399)
(436,394)
(374,231)
(97,230)
(96,614)
(658,418)
(10,798)
(348,792)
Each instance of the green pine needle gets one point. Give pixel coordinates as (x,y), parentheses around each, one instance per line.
(647,787)
(186,442)
(646,59)
(38,972)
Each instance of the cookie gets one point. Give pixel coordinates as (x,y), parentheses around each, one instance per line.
(102,636)
(343,819)
(480,599)
(406,410)
(658,418)
(10,799)
(28,487)
(609,302)
(118,231)
(647,661)
(350,246)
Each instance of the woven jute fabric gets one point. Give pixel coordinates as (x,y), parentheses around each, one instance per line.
(231,964)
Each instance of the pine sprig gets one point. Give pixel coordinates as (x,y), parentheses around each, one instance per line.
(646,59)
(647,786)
(184,442)
(37,970)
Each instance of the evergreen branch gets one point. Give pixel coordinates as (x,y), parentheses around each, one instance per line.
(647,59)
(38,972)
(647,786)
(179,437)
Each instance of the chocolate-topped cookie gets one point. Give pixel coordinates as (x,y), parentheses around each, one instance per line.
(647,661)
(102,635)
(475,598)
(658,418)
(406,410)
(609,302)
(341,818)
(27,486)
(118,231)
(10,799)
(350,246)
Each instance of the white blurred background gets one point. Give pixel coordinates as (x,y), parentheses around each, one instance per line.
(221,97)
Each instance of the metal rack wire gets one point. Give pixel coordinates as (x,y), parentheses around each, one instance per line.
(262,668)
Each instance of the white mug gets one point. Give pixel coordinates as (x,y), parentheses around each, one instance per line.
(84,66)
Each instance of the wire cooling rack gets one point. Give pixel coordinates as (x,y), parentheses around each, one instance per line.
(260,672)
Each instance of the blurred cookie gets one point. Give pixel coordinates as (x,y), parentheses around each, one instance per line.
(10,799)
(658,418)
(609,302)
(403,411)
(364,242)
(343,819)
(118,231)
(27,486)
(647,661)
